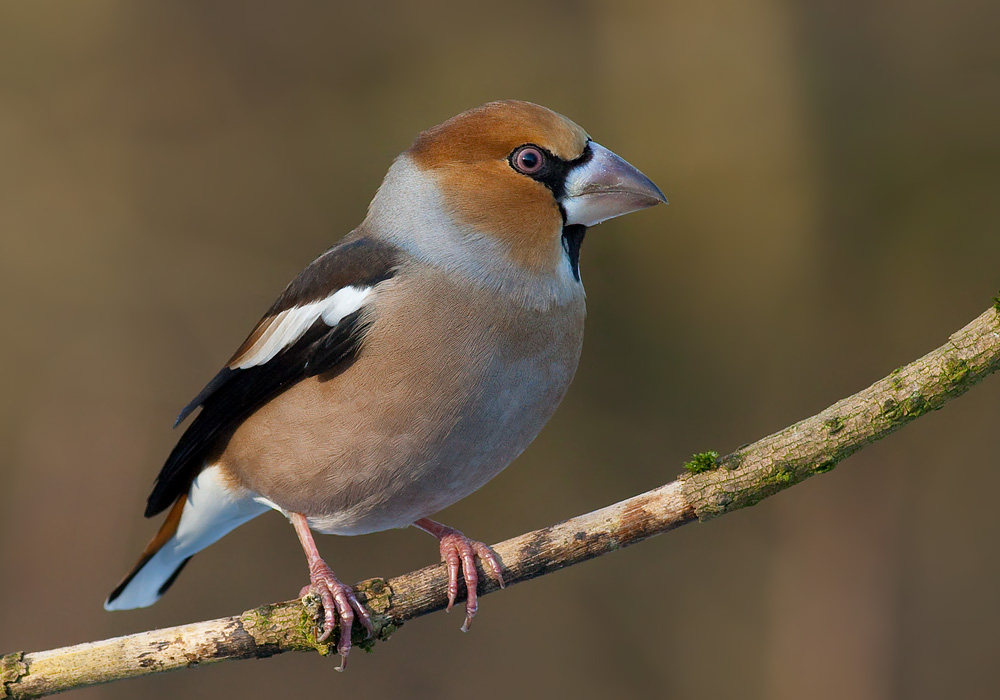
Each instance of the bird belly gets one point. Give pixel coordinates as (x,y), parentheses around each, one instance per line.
(456,459)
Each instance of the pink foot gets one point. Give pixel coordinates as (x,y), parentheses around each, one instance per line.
(457,549)
(340,602)
(338,599)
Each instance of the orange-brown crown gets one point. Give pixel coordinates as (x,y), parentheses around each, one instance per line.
(468,157)
(491,131)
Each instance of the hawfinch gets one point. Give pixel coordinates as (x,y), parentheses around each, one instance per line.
(407,365)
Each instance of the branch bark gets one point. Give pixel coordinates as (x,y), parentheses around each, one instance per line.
(712,487)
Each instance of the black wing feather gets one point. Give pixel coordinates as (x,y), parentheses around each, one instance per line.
(216,383)
(233,394)
(239,392)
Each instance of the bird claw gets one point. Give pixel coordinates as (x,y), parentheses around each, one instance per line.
(338,601)
(458,551)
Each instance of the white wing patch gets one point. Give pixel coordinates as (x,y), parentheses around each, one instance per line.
(343,303)
(291,324)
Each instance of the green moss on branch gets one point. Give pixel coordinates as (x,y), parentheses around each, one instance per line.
(702,462)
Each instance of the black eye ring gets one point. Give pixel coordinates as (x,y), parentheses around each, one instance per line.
(527,159)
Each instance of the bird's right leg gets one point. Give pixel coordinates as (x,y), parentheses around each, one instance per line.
(338,599)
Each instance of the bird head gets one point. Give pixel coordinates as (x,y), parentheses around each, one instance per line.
(512,178)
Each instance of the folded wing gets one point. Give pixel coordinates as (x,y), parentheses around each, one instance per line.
(316,325)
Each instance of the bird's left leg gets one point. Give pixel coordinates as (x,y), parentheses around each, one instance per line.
(338,598)
(457,549)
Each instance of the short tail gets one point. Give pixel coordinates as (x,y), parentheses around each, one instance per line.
(197,519)
(158,567)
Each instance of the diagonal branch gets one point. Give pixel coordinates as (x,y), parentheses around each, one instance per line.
(711,487)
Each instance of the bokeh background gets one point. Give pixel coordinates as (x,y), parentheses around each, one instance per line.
(832,167)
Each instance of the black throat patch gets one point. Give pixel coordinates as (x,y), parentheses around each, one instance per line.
(572,240)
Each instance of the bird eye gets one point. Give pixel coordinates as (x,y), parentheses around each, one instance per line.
(528,160)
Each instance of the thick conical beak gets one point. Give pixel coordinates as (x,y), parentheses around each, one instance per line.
(606,186)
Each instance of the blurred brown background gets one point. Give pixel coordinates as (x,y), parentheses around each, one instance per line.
(833,170)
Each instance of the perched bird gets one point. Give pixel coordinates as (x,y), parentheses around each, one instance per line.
(409,364)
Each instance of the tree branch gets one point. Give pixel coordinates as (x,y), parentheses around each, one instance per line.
(712,487)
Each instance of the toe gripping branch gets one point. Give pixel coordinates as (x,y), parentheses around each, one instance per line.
(332,603)
(338,599)
(459,552)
